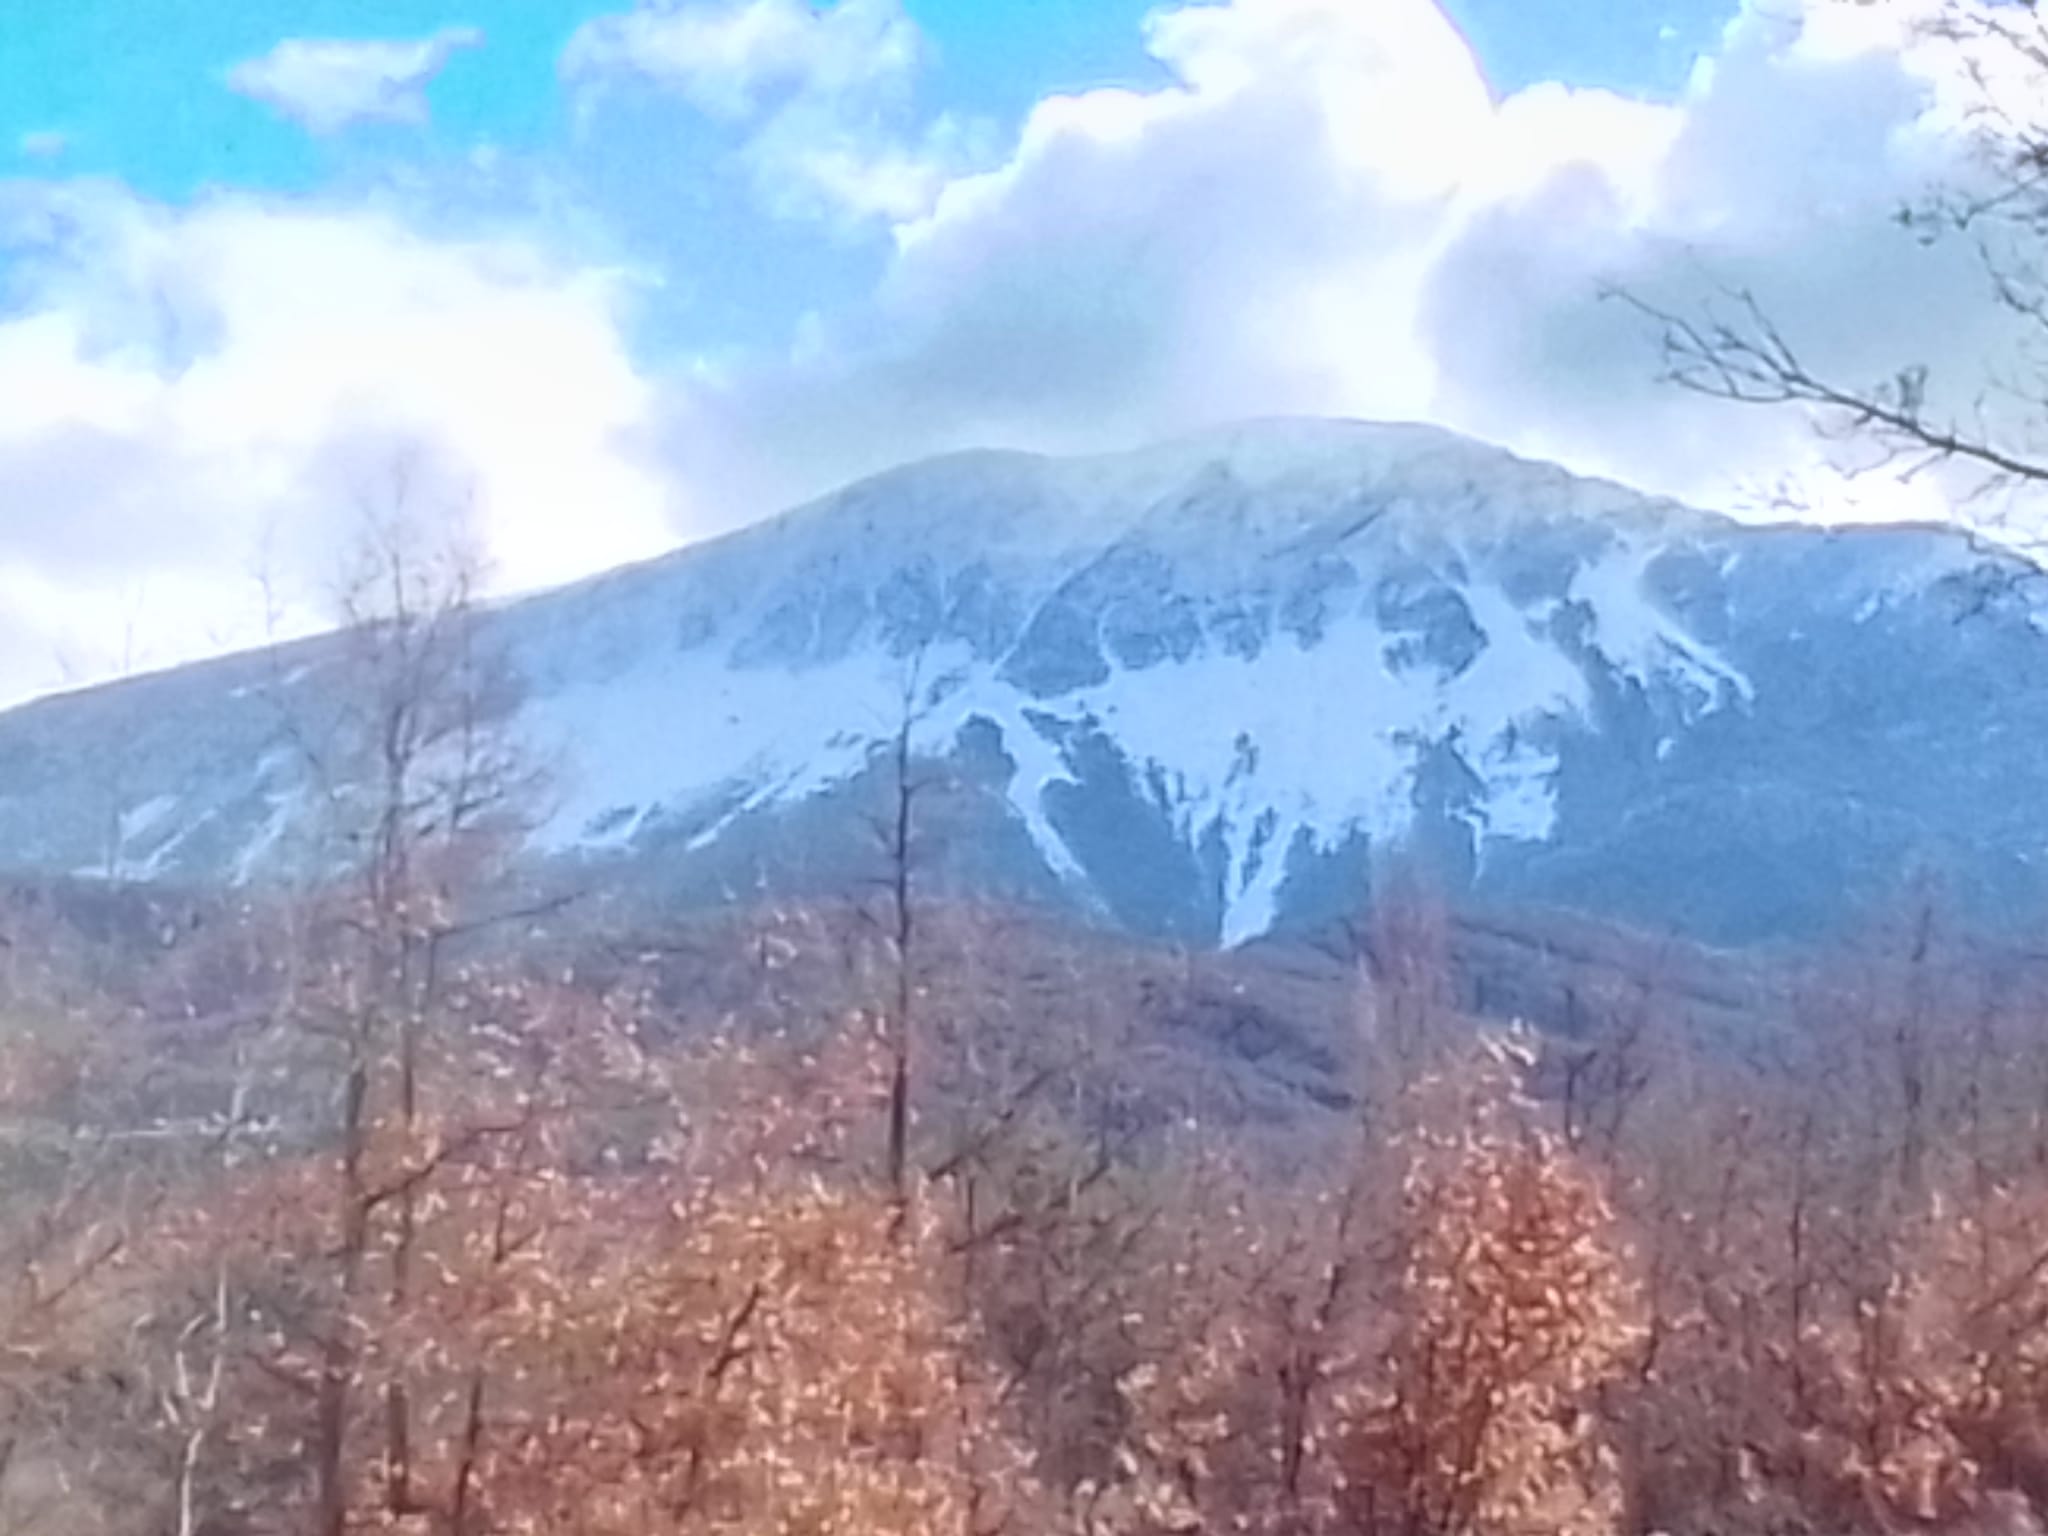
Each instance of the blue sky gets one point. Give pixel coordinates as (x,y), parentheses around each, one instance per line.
(136,85)
(633,272)
(138,90)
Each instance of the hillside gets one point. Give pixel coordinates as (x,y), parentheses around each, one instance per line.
(1188,693)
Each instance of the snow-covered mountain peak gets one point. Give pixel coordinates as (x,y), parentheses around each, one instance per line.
(1272,478)
(1188,688)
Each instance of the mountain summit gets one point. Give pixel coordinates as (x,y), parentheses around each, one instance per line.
(1190,690)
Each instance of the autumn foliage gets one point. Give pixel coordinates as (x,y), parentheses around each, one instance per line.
(659,1280)
(388,1209)
(1423,1357)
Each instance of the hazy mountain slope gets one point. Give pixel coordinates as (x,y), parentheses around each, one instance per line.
(1186,689)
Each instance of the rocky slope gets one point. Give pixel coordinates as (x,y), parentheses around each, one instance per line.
(1190,691)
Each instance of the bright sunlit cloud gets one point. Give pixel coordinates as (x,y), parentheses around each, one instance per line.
(186,389)
(1294,206)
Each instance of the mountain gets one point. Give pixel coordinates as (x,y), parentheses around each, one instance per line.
(1190,692)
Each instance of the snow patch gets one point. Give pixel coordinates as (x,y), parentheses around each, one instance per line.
(1319,739)
(1642,641)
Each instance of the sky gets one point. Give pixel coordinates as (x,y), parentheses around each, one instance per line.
(624,276)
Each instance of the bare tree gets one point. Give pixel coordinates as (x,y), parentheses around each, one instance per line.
(193,1400)
(422,785)
(895,833)
(1994,429)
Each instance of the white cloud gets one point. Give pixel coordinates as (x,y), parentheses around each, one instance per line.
(817,95)
(186,395)
(1323,209)
(1781,173)
(1326,210)
(328,84)
(43,144)
(733,60)
(1249,239)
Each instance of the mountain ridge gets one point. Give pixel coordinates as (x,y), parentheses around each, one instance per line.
(1196,690)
